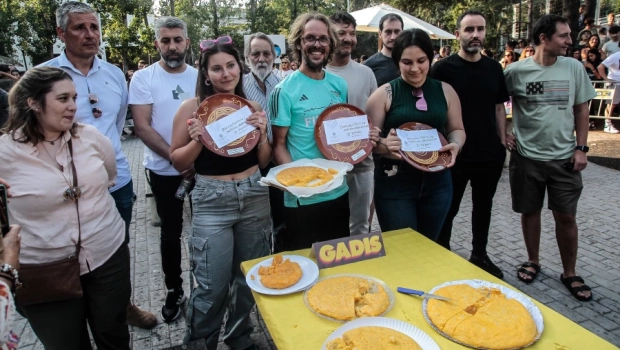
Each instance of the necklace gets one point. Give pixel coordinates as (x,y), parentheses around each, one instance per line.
(72,193)
(58,138)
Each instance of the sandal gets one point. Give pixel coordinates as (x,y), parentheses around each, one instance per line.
(567,282)
(533,274)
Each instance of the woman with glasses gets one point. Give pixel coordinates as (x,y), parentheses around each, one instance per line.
(231,216)
(285,69)
(404,195)
(509,58)
(60,172)
(527,52)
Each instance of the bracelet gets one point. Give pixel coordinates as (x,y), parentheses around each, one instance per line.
(458,144)
(7,269)
(260,144)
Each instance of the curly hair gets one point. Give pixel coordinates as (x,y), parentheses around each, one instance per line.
(297,32)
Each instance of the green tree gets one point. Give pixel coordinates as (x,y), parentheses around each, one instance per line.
(7,21)
(36,28)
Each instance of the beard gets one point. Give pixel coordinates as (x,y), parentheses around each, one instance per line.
(344,53)
(261,70)
(316,67)
(173,62)
(472,49)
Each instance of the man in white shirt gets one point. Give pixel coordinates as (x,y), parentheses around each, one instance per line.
(612,63)
(362,83)
(101,102)
(155,94)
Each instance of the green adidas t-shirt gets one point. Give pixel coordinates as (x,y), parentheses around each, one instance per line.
(542,106)
(296,103)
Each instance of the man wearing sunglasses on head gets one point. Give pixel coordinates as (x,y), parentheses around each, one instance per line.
(295,105)
(101,102)
(155,95)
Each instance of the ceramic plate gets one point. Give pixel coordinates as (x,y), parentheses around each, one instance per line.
(426,161)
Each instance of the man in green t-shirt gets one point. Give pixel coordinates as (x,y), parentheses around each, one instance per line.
(295,105)
(550,95)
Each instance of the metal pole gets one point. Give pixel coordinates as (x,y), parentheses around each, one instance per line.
(548,6)
(597,12)
(348,6)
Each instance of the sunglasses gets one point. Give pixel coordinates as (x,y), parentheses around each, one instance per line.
(97,112)
(420,104)
(205,44)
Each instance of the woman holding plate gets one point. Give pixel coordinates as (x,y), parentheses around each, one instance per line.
(231,218)
(404,195)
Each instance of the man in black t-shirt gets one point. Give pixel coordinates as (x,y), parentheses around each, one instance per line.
(479,82)
(381,63)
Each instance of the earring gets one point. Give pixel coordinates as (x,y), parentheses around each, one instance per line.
(207,82)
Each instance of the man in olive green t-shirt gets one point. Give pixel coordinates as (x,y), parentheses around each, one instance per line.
(550,95)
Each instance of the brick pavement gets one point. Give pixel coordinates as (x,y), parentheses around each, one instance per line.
(598,262)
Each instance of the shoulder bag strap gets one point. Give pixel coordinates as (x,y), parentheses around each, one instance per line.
(77,208)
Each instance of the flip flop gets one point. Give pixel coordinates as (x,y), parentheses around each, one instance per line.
(533,274)
(567,282)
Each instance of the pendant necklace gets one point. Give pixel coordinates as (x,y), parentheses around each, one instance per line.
(72,193)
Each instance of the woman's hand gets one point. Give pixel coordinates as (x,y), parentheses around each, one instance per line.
(3,182)
(258,120)
(393,144)
(9,253)
(195,128)
(374,137)
(454,149)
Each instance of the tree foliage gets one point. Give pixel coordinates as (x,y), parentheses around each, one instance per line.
(35,28)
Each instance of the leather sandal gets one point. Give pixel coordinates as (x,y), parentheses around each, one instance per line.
(533,274)
(568,281)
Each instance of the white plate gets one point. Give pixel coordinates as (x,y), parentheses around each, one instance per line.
(510,294)
(424,340)
(369,278)
(309,276)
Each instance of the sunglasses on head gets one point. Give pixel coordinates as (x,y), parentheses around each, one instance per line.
(205,44)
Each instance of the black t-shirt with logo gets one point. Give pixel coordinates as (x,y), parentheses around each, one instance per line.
(480,86)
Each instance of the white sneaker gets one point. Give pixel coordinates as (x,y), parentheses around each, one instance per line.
(611,129)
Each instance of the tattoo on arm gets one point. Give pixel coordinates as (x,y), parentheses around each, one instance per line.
(388,90)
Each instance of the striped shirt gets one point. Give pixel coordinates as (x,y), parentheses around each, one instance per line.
(253,92)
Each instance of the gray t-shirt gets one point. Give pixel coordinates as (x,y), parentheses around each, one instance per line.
(383,67)
(542,106)
(362,84)
(610,48)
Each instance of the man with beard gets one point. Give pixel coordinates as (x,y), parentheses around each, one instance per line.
(257,85)
(155,94)
(102,103)
(295,105)
(381,63)
(484,116)
(362,83)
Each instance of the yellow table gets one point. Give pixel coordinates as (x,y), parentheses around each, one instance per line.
(415,262)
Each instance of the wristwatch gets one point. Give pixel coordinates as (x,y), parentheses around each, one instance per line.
(583,149)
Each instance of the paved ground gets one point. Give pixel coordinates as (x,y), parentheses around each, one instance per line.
(599,259)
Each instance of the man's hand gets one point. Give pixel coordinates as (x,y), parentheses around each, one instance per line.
(510,142)
(580,160)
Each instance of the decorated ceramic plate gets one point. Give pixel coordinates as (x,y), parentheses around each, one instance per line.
(217,107)
(351,152)
(509,293)
(426,161)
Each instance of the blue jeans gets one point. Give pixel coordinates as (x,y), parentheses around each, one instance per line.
(124,199)
(412,198)
(231,224)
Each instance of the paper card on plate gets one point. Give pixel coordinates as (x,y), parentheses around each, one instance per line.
(230,128)
(419,140)
(346,129)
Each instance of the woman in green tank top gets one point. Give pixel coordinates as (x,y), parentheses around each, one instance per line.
(404,195)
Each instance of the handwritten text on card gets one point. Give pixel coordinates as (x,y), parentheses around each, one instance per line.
(230,128)
(346,129)
(419,140)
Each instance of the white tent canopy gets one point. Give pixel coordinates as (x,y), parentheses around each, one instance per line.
(368,21)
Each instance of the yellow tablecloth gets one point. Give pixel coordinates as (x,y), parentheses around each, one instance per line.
(415,262)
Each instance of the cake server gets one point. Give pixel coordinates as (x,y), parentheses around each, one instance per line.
(421,293)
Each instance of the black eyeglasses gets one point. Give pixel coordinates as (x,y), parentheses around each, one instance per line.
(310,40)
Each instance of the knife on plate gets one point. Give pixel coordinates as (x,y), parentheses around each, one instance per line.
(421,293)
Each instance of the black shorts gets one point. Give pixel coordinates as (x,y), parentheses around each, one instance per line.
(529,179)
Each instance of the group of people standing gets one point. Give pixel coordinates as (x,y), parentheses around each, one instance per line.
(66,118)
